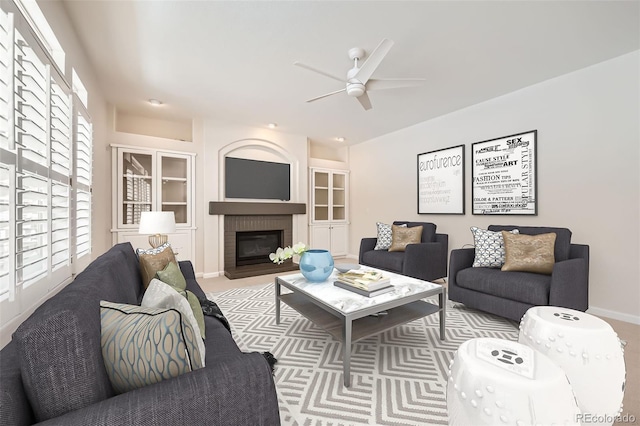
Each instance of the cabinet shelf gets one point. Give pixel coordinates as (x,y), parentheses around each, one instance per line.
(170,203)
(142,203)
(174,179)
(129,175)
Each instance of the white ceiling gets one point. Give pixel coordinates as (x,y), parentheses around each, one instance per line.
(233,60)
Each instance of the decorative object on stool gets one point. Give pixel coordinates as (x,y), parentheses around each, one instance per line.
(316,265)
(495,381)
(588,350)
(158,224)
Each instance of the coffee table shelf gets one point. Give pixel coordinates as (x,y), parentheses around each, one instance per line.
(362,327)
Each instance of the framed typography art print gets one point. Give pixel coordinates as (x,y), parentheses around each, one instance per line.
(441,181)
(503,178)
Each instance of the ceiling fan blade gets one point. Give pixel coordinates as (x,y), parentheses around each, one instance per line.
(326,74)
(364,101)
(372,62)
(326,94)
(393,83)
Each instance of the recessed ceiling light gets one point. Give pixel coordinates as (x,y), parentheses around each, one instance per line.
(155,102)
(272,125)
(340,139)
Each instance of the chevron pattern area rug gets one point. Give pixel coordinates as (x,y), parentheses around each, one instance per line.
(398,377)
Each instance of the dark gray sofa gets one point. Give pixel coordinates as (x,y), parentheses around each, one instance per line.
(52,371)
(426,261)
(511,294)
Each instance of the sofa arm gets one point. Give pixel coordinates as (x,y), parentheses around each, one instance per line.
(425,261)
(460,259)
(186,267)
(235,391)
(366,244)
(570,280)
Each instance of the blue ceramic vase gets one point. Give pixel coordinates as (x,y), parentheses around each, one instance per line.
(316,265)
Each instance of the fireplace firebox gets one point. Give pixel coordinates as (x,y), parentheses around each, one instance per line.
(253,247)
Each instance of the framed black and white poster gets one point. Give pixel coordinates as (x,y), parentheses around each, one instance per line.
(503,178)
(441,181)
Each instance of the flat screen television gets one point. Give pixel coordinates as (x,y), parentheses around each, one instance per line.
(257,179)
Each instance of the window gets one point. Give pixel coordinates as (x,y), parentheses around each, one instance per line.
(45,163)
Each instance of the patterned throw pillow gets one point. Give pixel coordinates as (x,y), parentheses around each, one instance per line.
(384,236)
(162,295)
(134,345)
(489,248)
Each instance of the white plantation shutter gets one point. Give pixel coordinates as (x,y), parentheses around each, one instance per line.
(6,235)
(6,77)
(83,169)
(32,171)
(7,165)
(45,165)
(61,140)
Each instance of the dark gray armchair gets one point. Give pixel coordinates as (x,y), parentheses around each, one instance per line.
(511,294)
(426,261)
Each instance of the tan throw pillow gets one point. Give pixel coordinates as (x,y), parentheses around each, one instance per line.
(150,264)
(401,237)
(529,253)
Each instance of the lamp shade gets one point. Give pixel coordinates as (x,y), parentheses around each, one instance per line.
(157,223)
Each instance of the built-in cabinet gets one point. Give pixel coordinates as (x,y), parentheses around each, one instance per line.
(153,180)
(329,212)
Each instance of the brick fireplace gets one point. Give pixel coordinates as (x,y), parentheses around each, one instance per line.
(250,232)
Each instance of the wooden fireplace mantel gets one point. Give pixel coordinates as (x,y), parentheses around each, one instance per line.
(249,208)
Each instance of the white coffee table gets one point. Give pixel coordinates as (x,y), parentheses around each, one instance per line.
(347,315)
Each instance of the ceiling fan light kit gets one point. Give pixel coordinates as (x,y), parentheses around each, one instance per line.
(359,80)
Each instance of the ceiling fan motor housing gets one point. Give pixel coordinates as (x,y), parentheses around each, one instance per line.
(355,88)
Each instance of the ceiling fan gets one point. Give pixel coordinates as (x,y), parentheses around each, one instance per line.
(359,81)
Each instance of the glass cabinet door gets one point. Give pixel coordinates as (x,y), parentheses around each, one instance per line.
(338,188)
(137,186)
(175,187)
(320,196)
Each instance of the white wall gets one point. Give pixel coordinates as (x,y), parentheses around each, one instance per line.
(219,138)
(588,178)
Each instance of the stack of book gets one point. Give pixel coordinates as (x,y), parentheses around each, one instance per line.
(366,283)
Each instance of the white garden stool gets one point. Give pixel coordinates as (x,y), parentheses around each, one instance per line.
(499,382)
(589,352)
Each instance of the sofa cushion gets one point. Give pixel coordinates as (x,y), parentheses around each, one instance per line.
(391,261)
(522,287)
(563,237)
(384,237)
(529,253)
(489,248)
(402,236)
(142,346)
(428,230)
(152,262)
(172,276)
(162,295)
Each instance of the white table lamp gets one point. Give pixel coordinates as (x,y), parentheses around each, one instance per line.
(157,225)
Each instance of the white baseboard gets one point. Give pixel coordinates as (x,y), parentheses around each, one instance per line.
(633,319)
(210,274)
